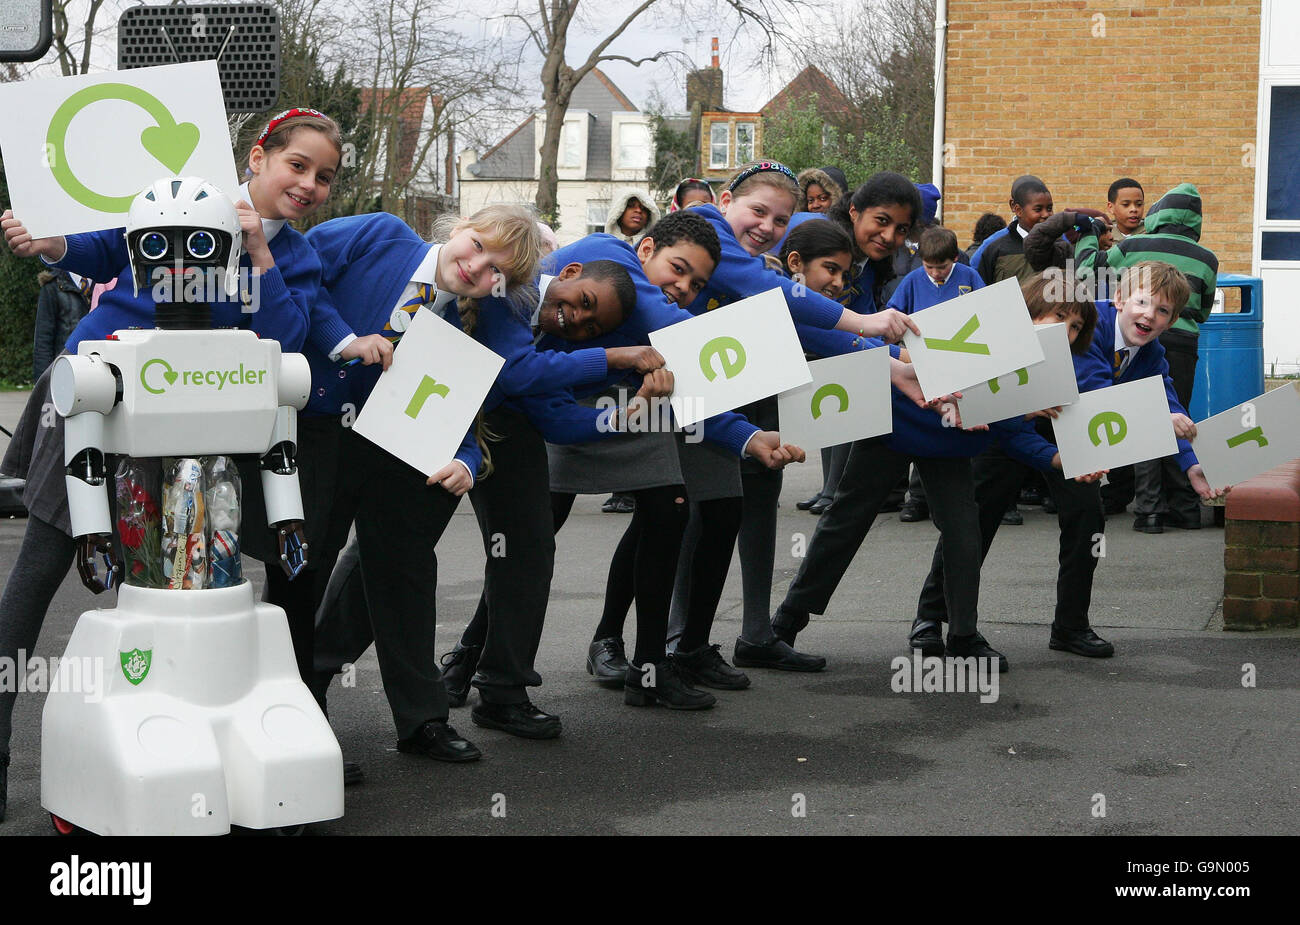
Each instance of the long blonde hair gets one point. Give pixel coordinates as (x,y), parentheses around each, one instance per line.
(514,230)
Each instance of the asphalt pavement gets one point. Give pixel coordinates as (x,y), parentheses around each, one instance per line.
(1164,738)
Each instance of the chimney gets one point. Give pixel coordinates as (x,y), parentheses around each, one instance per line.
(704,86)
(715,53)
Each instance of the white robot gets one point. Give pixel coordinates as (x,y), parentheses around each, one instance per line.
(203,722)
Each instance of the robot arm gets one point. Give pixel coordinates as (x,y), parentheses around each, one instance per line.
(84,389)
(280,487)
(280,468)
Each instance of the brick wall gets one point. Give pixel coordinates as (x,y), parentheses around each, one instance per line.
(1166,95)
(1261,556)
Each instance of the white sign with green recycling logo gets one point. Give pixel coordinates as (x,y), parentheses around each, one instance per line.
(973,338)
(848,399)
(731,356)
(77,150)
(1115,426)
(1029,388)
(1251,438)
(422,406)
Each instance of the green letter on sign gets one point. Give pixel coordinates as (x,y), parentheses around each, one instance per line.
(719,346)
(1022,378)
(827,391)
(959,344)
(1255,433)
(1110,423)
(428,386)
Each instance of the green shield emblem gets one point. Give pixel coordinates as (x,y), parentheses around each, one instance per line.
(135,664)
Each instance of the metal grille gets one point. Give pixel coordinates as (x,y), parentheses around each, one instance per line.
(244,38)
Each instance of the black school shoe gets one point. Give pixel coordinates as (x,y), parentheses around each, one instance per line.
(1148,523)
(1083,642)
(619,504)
(607,661)
(776,654)
(436,740)
(913,512)
(458,667)
(668,689)
(976,646)
(926,635)
(705,667)
(805,505)
(1189,521)
(519,719)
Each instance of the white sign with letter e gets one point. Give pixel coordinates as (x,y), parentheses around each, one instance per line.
(423,405)
(848,399)
(1115,426)
(973,338)
(1030,388)
(1251,438)
(77,150)
(731,356)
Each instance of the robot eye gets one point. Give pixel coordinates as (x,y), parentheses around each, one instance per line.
(201,244)
(153,245)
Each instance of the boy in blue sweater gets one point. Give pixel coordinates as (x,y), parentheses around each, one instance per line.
(939,278)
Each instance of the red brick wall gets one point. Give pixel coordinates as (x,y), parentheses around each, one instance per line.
(1166,95)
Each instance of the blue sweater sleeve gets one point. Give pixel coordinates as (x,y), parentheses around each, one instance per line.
(1022,441)
(470,454)
(288,291)
(562,420)
(823,343)
(99,255)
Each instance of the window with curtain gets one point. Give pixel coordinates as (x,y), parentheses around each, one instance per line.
(744,142)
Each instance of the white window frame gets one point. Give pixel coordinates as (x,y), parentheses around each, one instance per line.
(753,143)
(726,157)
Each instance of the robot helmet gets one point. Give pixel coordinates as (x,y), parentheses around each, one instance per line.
(183,222)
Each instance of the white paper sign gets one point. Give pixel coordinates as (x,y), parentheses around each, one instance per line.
(1115,426)
(1030,388)
(731,356)
(973,338)
(77,150)
(422,406)
(848,399)
(1251,438)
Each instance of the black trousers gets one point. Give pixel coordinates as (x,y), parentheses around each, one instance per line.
(1160,486)
(513,507)
(872,471)
(385,587)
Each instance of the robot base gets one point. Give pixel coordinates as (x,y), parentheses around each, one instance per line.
(199,721)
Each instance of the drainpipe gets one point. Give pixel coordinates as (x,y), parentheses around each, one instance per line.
(940,88)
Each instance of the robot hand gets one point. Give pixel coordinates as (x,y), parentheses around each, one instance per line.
(88,547)
(293,547)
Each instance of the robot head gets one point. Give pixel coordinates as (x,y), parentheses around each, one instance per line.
(180,224)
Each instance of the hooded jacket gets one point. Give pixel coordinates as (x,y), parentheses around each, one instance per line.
(1173,233)
(618,205)
(812,175)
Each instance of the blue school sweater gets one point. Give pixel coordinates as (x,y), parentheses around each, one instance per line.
(1095,370)
(287,293)
(368,265)
(652,312)
(918,292)
(740,275)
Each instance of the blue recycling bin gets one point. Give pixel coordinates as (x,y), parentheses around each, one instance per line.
(1230,364)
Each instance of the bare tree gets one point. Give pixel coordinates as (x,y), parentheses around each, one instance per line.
(880,53)
(548,28)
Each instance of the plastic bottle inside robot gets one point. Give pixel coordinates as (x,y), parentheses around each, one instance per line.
(191,540)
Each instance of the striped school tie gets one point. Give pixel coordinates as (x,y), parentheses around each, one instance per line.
(424,295)
(1118,363)
(86,286)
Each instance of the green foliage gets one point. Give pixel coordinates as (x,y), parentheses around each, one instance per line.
(18,291)
(675,157)
(800,137)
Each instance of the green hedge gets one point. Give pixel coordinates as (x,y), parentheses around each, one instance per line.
(18,290)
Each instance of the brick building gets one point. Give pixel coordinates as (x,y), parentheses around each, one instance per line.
(1081,92)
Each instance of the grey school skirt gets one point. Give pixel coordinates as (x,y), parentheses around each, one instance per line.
(35,453)
(630,462)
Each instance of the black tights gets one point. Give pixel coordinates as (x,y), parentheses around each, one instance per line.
(714,525)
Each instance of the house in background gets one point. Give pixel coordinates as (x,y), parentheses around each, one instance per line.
(605,144)
(1160,90)
(414,164)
